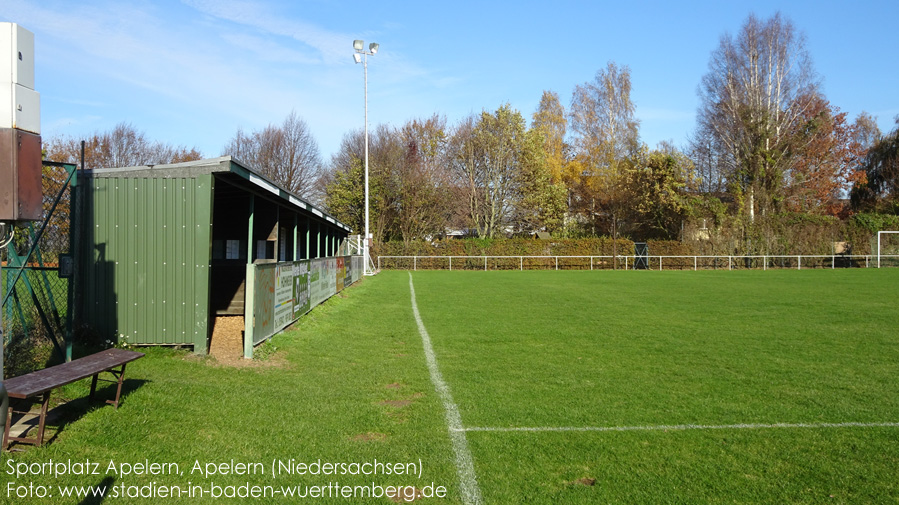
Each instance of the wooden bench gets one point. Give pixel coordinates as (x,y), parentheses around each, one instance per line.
(43,381)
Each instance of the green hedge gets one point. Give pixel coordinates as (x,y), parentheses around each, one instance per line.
(776,235)
(527,247)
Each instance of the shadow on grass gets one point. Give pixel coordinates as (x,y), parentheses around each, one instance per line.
(98,498)
(66,412)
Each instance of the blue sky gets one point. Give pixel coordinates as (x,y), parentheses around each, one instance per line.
(191,72)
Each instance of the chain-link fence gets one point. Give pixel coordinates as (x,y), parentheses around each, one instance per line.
(35,298)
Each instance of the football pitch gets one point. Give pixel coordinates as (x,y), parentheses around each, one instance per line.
(537,387)
(660,387)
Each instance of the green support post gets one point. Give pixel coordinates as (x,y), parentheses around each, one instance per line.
(318,239)
(250,289)
(308,239)
(74,244)
(252,219)
(296,245)
(249,319)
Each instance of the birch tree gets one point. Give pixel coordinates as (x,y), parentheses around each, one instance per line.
(749,101)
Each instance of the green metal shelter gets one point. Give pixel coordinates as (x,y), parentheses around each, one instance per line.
(164,249)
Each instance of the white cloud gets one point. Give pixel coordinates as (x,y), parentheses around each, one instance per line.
(192,74)
(331,45)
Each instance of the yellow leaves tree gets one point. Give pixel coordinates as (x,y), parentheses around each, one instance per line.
(549,121)
(605,137)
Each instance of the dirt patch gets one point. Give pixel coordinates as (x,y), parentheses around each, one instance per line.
(227,338)
(405,402)
(583,481)
(226,345)
(395,385)
(396,403)
(370,437)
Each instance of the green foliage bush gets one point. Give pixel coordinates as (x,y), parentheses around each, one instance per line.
(872,222)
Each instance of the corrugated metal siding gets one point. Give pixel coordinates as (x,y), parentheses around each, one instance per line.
(148,249)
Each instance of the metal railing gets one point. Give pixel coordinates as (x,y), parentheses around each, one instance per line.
(699,262)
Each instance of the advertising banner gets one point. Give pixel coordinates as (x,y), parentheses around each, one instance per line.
(284,291)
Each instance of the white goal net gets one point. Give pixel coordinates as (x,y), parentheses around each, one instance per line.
(887,249)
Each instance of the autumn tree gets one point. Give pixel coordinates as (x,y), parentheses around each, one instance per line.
(344,184)
(604,128)
(606,138)
(546,191)
(492,156)
(654,191)
(286,153)
(828,158)
(123,146)
(409,190)
(750,101)
(345,193)
(865,131)
(425,198)
(550,122)
(880,190)
(541,202)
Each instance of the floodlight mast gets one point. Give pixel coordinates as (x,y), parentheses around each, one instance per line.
(361,55)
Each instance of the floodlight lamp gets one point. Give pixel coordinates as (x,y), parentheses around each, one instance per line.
(357,57)
(373,47)
(358,44)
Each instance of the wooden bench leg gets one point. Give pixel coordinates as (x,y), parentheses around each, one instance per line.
(93,386)
(43,420)
(120,377)
(118,392)
(41,424)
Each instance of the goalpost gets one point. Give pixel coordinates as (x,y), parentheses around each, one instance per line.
(887,248)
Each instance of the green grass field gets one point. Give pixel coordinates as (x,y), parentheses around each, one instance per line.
(572,387)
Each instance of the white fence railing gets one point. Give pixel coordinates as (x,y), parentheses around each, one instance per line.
(715,262)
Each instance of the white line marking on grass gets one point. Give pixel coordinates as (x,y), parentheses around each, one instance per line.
(680,427)
(468,481)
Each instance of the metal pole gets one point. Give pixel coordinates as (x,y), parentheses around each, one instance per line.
(366,253)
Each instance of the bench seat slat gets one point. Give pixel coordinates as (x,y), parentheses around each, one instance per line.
(41,381)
